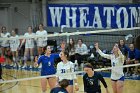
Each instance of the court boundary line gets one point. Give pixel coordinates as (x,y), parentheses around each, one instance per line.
(10,86)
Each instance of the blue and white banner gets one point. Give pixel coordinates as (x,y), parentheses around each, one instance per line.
(93,15)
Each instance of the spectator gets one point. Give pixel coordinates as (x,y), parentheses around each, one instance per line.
(123,48)
(71,50)
(133,58)
(81,51)
(14,46)
(29,47)
(5,43)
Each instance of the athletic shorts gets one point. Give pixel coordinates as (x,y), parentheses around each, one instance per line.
(70,82)
(93,91)
(121,79)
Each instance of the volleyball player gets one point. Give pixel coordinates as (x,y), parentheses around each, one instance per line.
(48,68)
(92,80)
(63,84)
(14,45)
(66,66)
(117,75)
(5,43)
(29,47)
(41,42)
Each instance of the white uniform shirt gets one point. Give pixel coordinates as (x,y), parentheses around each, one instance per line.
(81,50)
(5,43)
(30,41)
(14,43)
(66,68)
(116,73)
(41,42)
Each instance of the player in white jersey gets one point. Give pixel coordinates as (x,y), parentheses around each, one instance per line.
(117,75)
(66,66)
(29,47)
(41,42)
(14,45)
(5,43)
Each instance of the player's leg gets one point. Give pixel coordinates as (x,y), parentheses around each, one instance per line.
(0,72)
(114,86)
(9,56)
(17,59)
(136,68)
(3,49)
(52,82)
(25,57)
(31,57)
(128,69)
(14,58)
(120,85)
(39,50)
(44,85)
(70,89)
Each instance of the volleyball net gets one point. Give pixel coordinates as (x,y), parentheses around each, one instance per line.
(106,39)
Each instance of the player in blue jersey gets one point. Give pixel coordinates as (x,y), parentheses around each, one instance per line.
(48,68)
(63,84)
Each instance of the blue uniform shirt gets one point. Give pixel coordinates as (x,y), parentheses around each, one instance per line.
(124,49)
(92,84)
(137,56)
(58,90)
(131,54)
(48,64)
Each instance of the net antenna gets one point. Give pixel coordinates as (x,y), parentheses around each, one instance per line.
(128,36)
(63,26)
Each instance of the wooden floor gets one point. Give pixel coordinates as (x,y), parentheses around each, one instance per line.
(33,86)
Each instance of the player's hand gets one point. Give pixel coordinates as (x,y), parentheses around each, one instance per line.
(36,58)
(76,87)
(35,64)
(96,45)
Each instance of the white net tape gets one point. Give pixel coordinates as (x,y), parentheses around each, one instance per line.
(78,72)
(74,33)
